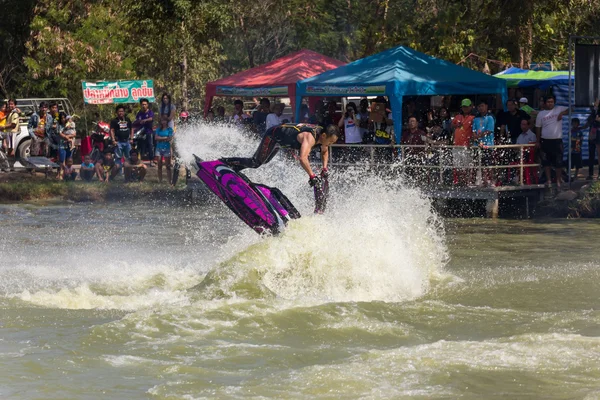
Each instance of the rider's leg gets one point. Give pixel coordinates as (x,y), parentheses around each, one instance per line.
(267,149)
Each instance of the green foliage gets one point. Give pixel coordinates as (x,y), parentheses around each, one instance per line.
(49,46)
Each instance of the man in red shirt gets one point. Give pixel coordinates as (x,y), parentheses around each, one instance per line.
(462,136)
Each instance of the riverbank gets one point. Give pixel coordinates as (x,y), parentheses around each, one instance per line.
(21,186)
(583,202)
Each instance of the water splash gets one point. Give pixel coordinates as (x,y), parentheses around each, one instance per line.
(377,241)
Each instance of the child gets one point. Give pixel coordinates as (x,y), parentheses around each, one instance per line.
(576,138)
(106,168)
(87,169)
(69,173)
(163,138)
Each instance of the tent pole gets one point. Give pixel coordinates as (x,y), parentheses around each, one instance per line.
(570,114)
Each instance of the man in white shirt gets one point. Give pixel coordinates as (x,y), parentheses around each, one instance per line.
(274,118)
(548,126)
(239,115)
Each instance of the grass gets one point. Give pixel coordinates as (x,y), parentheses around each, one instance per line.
(85,191)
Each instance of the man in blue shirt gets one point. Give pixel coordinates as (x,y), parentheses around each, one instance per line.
(483,136)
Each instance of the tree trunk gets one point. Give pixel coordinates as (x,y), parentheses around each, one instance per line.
(184,70)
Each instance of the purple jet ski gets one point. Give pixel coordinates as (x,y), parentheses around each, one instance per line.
(262,208)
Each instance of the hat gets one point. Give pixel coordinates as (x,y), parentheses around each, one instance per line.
(184,114)
(523,100)
(466,103)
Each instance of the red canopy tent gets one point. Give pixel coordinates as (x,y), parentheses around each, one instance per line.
(274,79)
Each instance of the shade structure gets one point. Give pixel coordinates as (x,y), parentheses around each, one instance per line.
(516,77)
(277,78)
(400,71)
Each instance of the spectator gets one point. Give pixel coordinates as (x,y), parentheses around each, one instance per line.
(167,110)
(210,116)
(163,138)
(330,117)
(68,171)
(593,139)
(413,135)
(274,118)
(413,155)
(439,135)
(483,134)
(87,170)
(12,126)
(184,118)
(549,138)
(350,123)
(220,117)
(144,119)
(121,131)
(526,136)
(39,127)
(576,139)
(239,116)
(260,115)
(64,138)
(304,116)
(4,165)
(523,106)
(134,168)
(106,168)
(510,121)
(366,133)
(3,115)
(463,133)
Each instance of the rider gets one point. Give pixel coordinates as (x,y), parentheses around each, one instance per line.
(302,137)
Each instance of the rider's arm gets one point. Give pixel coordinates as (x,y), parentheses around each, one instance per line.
(325,155)
(305,151)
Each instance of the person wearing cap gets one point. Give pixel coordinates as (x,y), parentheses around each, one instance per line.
(523,106)
(183,117)
(510,121)
(462,136)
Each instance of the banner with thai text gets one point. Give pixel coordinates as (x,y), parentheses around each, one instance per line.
(346,90)
(250,92)
(117,92)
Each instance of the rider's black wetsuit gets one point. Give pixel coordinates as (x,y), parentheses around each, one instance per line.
(281,136)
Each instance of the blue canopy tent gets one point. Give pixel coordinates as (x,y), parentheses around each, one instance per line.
(398,72)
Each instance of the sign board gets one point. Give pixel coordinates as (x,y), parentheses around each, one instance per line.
(542,66)
(251,92)
(117,92)
(346,90)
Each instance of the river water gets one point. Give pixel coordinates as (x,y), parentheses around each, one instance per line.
(378,298)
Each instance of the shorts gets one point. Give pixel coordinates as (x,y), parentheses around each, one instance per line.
(63,154)
(461,157)
(162,153)
(552,153)
(576,160)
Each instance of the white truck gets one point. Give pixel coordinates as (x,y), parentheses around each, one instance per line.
(28,107)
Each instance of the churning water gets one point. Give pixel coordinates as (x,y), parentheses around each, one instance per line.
(378,298)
